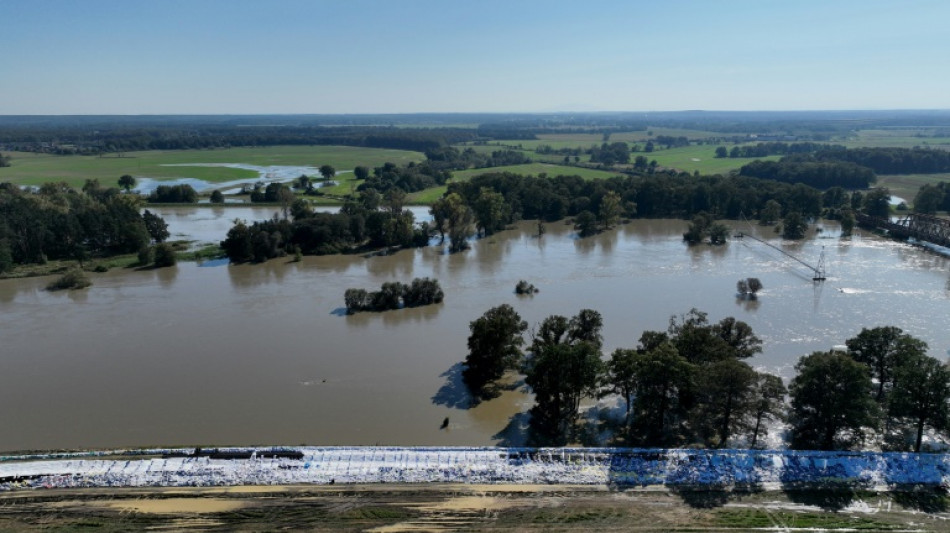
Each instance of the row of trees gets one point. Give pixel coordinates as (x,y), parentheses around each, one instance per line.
(59,222)
(685,385)
(451,158)
(117,138)
(818,174)
(690,385)
(883,384)
(647,196)
(410,178)
(394,295)
(617,153)
(173,194)
(488,203)
(771,148)
(932,198)
(373,220)
(891,160)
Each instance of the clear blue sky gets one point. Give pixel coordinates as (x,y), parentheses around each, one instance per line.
(389,56)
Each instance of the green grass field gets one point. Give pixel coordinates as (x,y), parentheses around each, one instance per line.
(687,158)
(701,158)
(34,169)
(897,138)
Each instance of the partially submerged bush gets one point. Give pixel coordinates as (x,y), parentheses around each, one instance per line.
(165,255)
(523,287)
(747,288)
(72,279)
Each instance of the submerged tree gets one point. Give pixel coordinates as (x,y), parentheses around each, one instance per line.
(494,346)
(748,288)
(794,225)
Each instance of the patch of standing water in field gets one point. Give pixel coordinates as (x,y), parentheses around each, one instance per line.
(268,174)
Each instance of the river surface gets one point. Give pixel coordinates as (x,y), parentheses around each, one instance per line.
(263,354)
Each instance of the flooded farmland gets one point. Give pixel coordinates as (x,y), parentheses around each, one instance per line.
(263,354)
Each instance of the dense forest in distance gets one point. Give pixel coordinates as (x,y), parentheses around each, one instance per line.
(425,131)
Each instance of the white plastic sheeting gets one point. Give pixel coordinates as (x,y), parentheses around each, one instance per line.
(590,466)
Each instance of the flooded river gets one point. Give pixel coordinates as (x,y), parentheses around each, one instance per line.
(263,354)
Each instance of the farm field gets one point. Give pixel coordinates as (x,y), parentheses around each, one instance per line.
(699,158)
(35,169)
(898,138)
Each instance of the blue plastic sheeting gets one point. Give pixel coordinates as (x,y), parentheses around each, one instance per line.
(591,466)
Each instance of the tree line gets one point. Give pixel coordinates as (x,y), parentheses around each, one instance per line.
(451,158)
(657,195)
(821,174)
(56,221)
(931,198)
(690,385)
(891,160)
(766,149)
(373,220)
(118,138)
(489,202)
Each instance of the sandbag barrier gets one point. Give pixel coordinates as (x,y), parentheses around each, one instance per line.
(621,467)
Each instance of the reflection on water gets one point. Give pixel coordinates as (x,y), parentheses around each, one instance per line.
(262,354)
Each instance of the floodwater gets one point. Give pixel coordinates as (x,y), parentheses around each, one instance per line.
(263,354)
(267,174)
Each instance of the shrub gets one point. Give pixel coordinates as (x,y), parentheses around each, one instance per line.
(72,279)
(165,255)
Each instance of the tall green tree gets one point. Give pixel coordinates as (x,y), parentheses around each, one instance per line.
(767,403)
(794,225)
(560,375)
(127,182)
(770,213)
(491,211)
(610,210)
(585,223)
(621,377)
(883,349)
(831,406)
(327,171)
(361,172)
(725,389)
(494,346)
(877,203)
(665,381)
(929,199)
(921,395)
(156,226)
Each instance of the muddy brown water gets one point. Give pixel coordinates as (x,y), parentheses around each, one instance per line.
(263,354)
